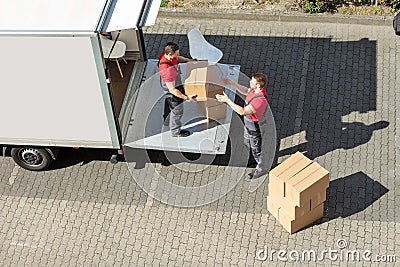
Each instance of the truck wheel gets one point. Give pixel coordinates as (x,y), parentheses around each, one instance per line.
(33,159)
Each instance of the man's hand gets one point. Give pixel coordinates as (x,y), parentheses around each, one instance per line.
(222,98)
(192,98)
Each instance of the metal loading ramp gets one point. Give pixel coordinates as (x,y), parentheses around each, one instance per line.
(146,128)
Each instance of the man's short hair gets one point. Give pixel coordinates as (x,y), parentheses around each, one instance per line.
(261,78)
(171,48)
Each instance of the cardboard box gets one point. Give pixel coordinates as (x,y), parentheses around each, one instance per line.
(286,170)
(272,207)
(217,112)
(213,102)
(202,80)
(214,90)
(295,225)
(277,171)
(297,191)
(290,209)
(306,185)
(317,199)
(214,83)
(196,79)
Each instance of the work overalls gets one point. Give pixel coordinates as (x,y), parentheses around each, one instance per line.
(173,106)
(254,132)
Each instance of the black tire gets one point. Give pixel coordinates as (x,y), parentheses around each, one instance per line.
(30,158)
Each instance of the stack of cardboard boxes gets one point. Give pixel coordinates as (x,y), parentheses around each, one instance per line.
(297,191)
(203,80)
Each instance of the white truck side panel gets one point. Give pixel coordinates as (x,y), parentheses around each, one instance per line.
(50,15)
(53,93)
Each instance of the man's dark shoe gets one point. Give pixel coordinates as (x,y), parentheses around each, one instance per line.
(256,174)
(182,133)
(251,174)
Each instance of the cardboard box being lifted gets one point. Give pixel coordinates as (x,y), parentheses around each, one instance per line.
(213,109)
(202,80)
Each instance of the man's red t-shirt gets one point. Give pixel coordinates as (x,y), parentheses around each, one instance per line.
(167,72)
(259,103)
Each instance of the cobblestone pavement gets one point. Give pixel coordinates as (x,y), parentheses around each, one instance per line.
(334,91)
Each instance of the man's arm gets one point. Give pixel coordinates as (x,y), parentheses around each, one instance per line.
(177,93)
(242,89)
(247,110)
(182,59)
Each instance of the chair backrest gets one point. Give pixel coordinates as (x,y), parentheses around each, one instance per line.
(118,50)
(201,49)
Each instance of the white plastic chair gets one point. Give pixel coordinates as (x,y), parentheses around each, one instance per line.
(117,52)
(201,49)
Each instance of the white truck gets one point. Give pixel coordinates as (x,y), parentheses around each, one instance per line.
(57,89)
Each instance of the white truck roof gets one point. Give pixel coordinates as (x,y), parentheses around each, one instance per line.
(76,15)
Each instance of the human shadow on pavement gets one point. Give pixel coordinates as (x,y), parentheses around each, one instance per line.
(343,135)
(350,196)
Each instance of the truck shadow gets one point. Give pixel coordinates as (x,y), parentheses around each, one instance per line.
(70,157)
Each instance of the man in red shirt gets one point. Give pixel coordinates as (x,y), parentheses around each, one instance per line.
(254,119)
(175,92)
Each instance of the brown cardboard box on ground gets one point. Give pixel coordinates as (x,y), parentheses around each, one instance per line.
(295,225)
(303,187)
(297,188)
(290,224)
(286,170)
(272,207)
(291,210)
(295,211)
